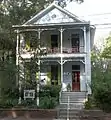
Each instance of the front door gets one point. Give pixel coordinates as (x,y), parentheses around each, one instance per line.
(75,80)
(54,43)
(54,74)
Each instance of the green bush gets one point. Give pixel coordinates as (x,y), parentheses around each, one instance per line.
(88,105)
(8,103)
(48,102)
(102,96)
(49,90)
(28,103)
(49,96)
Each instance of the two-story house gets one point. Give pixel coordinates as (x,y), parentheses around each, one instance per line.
(67,40)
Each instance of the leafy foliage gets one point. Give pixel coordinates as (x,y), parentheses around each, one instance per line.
(101,80)
(14,12)
(107,50)
(49,97)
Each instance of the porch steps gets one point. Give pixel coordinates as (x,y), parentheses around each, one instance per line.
(74,97)
(72,109)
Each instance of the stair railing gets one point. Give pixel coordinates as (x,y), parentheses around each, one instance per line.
(68,107)
(86,90)
(60,94)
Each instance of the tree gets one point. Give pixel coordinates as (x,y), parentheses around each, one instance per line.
(14,12)
(101,76)
(106,53)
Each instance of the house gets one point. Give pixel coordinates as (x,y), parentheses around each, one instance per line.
(67,41)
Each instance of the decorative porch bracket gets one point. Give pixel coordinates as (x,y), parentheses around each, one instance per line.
(62,62)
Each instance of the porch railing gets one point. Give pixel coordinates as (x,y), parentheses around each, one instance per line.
(55,50)
(66,50)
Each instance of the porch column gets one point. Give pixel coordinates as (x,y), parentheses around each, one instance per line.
(18,82)
(86,72)
(85,45)
(37,102)
(61,34)
(22,43)
(89,63)
(17,48)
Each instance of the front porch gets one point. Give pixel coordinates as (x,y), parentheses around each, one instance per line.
(73,74)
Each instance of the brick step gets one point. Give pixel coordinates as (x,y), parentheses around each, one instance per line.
(71,112)
(73,99)
(70,117)
(71,106)
(75,93)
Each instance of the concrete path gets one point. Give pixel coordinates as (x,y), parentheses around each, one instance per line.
(22,118)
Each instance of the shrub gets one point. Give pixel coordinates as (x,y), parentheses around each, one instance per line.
(102,96)
(8,103)
(48,102)
(49,96)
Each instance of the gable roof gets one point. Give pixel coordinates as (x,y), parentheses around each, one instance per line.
(51,7)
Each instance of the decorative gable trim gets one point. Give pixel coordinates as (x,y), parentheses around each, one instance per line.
(49,8)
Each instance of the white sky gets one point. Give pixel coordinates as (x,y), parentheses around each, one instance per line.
(89,10)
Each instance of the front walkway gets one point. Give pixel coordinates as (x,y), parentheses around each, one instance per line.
(23,118)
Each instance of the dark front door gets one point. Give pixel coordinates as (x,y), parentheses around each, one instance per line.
(75,80)
(75,42)
(54,74)
(54,42)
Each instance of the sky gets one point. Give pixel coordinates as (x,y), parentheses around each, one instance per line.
(97,12)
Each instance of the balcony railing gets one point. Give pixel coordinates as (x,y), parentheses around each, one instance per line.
(65,50)
(79,49)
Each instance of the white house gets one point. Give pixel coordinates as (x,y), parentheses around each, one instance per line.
(67,41)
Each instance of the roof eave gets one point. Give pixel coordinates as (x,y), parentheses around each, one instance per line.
(49,25)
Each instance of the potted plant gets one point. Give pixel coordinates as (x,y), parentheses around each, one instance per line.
(68,87)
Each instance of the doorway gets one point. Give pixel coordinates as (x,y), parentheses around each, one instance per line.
(54,43)
(76,78)
(75,42)
(54,74)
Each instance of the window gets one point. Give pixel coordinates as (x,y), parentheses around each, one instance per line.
(76,67)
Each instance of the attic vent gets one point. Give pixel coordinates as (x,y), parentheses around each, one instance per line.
(53,16)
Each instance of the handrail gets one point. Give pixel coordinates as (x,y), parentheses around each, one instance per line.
(86,90)
(60,94)
(68,109)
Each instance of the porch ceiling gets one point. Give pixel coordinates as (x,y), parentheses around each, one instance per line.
(78,59)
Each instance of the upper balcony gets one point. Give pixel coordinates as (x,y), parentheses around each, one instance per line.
(55,52)
(67,43)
